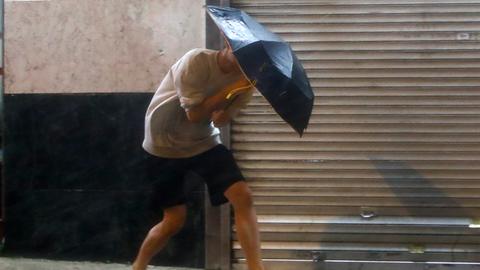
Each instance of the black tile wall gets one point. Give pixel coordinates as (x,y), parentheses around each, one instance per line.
(77,184)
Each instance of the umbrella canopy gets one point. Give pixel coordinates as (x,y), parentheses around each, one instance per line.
(269,61)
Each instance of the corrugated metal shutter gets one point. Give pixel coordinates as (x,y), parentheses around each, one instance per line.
(389,168)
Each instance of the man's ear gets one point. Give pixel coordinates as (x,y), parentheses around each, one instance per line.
(225,43)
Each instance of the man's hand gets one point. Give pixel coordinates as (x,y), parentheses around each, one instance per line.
(220,118)
(237,88)
(235,92)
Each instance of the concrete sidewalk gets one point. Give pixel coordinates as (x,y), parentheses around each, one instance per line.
(39,264)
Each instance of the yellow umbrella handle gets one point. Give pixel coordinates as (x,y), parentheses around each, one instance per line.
(240,89)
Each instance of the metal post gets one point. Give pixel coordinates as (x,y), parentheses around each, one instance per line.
(218,243)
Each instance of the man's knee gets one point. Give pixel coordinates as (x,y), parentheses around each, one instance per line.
(240,195)
(172,222)
(173,226)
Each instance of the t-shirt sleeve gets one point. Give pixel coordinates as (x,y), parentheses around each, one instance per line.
(189,78)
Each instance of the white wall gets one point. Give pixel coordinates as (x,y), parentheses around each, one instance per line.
(81,46)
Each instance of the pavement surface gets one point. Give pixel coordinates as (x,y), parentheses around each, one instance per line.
(39,264)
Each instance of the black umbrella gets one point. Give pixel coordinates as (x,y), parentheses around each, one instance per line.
(269,61)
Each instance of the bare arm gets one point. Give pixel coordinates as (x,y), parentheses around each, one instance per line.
(223,117)
(217,102)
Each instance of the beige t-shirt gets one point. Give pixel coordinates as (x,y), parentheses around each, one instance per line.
(168,132)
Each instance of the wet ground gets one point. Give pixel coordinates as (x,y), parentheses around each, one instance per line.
(38,264)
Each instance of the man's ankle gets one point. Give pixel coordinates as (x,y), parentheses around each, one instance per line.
(136,266)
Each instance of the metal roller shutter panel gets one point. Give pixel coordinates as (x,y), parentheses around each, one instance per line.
(388,173)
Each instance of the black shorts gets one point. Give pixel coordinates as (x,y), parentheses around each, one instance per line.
(216,167)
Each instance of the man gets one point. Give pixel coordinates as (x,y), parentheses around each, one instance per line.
(202,88)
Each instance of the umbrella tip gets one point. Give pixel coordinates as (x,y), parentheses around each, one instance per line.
(300,132)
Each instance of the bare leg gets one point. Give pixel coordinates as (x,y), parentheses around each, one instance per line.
(240,197)
(158,236)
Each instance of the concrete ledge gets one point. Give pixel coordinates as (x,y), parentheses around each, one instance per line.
(38,264)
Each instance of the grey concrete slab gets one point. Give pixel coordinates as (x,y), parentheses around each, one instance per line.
(39,264)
